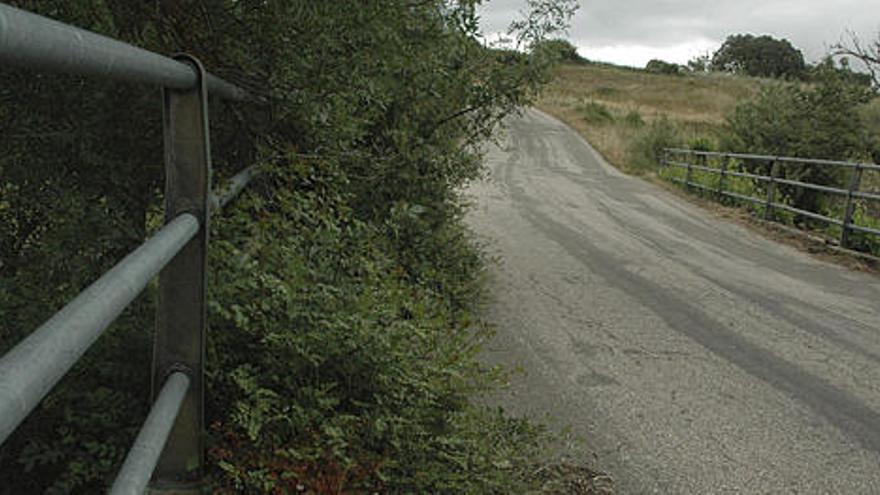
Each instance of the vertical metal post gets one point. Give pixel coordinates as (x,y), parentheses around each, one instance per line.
(689,174)
(854,184)
(181,316)
(704,162)
(725,160)
(771,190)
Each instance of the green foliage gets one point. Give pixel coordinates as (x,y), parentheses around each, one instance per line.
(656,66)
(607,92)
(559,49)
(867,53)
(647,147)
(701,143)
(544,16)
(822,120)
(633,118)
(365,367)
(700,64)
(864,218)
(342,342)
(839,69)
(595,113)
(759,56)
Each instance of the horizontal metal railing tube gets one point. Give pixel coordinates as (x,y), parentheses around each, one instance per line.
(781,159)
(867,230)
(768,203)
(808,214)
(743,197)
(703,168)
(693,167)
(235,186)
(747,175)
(692,184)
(815,187)
(698,186)
(718,170)
(35,365)
(834,163)
(866,195)
(228,91)
(141,460)
(37,42)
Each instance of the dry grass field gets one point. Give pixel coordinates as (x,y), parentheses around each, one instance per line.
(621,111)
(611,106)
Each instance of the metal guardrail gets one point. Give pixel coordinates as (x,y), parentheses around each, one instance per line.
(170,446)
(769,202)
(35,42)
(779,159)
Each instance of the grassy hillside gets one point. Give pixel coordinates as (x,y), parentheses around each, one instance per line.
(630,115)
(613,106)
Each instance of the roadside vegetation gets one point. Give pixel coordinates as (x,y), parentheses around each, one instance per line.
(343,329)
(821,111)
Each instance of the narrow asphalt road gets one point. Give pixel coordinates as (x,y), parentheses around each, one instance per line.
(691,354)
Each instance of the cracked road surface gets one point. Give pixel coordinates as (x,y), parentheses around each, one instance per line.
(691,354)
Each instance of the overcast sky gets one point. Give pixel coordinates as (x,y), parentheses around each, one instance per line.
(631,32)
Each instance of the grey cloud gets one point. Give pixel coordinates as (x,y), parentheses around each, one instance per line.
(811,25)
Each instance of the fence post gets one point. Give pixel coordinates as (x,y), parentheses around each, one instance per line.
(725,159)
(854,184)
(704,162)
(181,316)
(771,189)
(690,173)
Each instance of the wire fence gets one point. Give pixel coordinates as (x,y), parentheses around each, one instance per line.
(170,446)
(716,174)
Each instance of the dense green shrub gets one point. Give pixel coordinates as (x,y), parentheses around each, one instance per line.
(841,69)
(759,56)
(560,49)
(700,64)
(662,67)
(647,147)
(365,368)
(341,341)
(821,120)
(595,113)
(633,118)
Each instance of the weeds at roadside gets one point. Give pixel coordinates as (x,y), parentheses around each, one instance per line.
(595,113)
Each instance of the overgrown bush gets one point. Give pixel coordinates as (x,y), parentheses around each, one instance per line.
(560,49)
(662,67)
(647,147)
(366,368)
(634,118)
(341,335)
(821,120)
(701,143)
(595,113)
(759,56)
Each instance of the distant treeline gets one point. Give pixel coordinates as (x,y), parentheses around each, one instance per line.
(757,56)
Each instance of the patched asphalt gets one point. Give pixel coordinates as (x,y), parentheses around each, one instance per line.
(690,353)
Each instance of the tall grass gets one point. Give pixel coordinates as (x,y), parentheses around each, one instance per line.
(630,116)
(617,108)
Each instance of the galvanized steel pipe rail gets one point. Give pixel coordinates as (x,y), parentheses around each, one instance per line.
(781,159)
(851,193)
(35,365)
(170,446)
(35,42)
